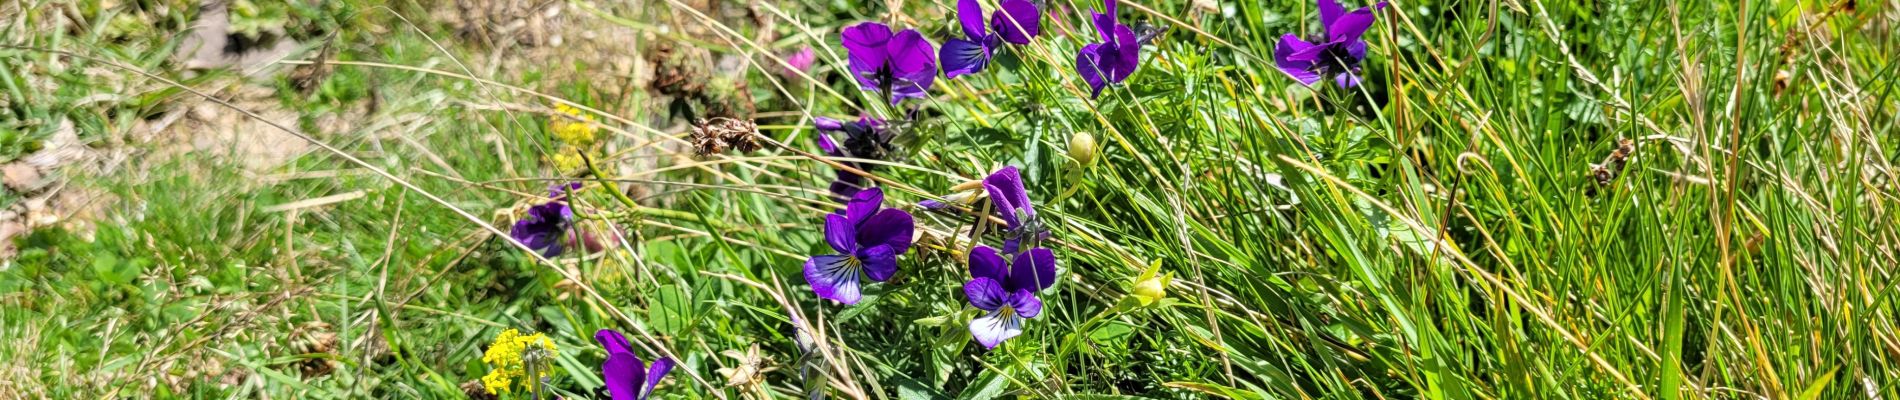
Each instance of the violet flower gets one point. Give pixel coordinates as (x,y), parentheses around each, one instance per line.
(627,377)
(1006,291)
(867,138)
(546,225)
(1337,52)
(900,66)
(799,61)
(1113,60)
(868,239)
(1006,190)
(1015,22)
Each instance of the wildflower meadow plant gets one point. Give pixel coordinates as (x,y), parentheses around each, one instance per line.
(1015,22)
(868,239)
(628,377)
(901,65)
(1006,291)
(867,138)
(1112,60)
(519,360)
(546,225)
(1336,53)
(1023,229)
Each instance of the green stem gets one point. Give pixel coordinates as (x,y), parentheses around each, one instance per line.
(635,207)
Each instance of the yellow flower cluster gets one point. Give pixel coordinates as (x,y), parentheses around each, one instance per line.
(577,131)
(506,358)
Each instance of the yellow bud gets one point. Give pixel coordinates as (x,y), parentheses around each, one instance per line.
(1082,148)
(1152,286)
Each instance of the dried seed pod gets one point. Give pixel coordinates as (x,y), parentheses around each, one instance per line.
(714,136)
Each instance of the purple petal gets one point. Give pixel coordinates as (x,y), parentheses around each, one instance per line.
(1025,303)
(842,190)
(841,234)
(891,227)
(1017,21)
(834,277)
(914,62)
(880,262)
(993,328)
(1006,190)
(962,57)
(970,15)
(1300,70)
(1346,80)
(1128,51)
(984,263)
(557,190)
(827,145)
(800,61)
(863,206)
(1088,63)
(932,205)
(624,374)
(827,124)
(1012,244)
(1349,27)
(865,45)
(1105,25)
(655,374)
(1329,11)
(985,293)
(613,341)
(1034,270)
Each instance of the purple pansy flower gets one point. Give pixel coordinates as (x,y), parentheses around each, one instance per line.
(868,239)
(867,138)
(1006,291)
(1338,51)
(627,377)
(546,225)
(1015,22)
(897,65)
(1012,203)
(1113,60)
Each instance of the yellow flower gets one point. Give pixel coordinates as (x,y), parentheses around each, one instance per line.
(509,358)
(578,130)
(566,161)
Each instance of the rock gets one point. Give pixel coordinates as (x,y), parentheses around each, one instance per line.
(22,178)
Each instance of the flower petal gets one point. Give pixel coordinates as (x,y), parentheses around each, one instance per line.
(624,374)
(1300,70)
(984,263)
(613,341)
(985,293)
(1088,63)
(880,262)
(891,227)
(865,47)
(1016,21)
(1006,191)
(827,124)
(1128,52)
(1025,303)
(961,57)
(913,61)
(1346,80)
(655,374)
(1329,11)
(993,328)
(970,15)
(840,234)
(1350,26)
(1105,24)
(833,277)
(863,206)
(1033,270)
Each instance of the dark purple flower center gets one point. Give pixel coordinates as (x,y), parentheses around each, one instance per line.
(1029,232)
(1334,60)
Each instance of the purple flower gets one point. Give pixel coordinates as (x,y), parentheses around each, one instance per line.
(1007,291)
(1016,22)
(547,223)
(901,65)
(866,138)
(627,377)
(1112,60)
(1336,53)
(868,239)
(1012,203)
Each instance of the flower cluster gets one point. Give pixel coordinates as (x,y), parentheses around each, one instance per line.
(574,131)
(627,376)
(1112,60)
(515,357)
(1006,289)
(1015,23)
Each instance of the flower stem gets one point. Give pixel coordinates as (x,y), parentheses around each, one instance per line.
(635,207)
